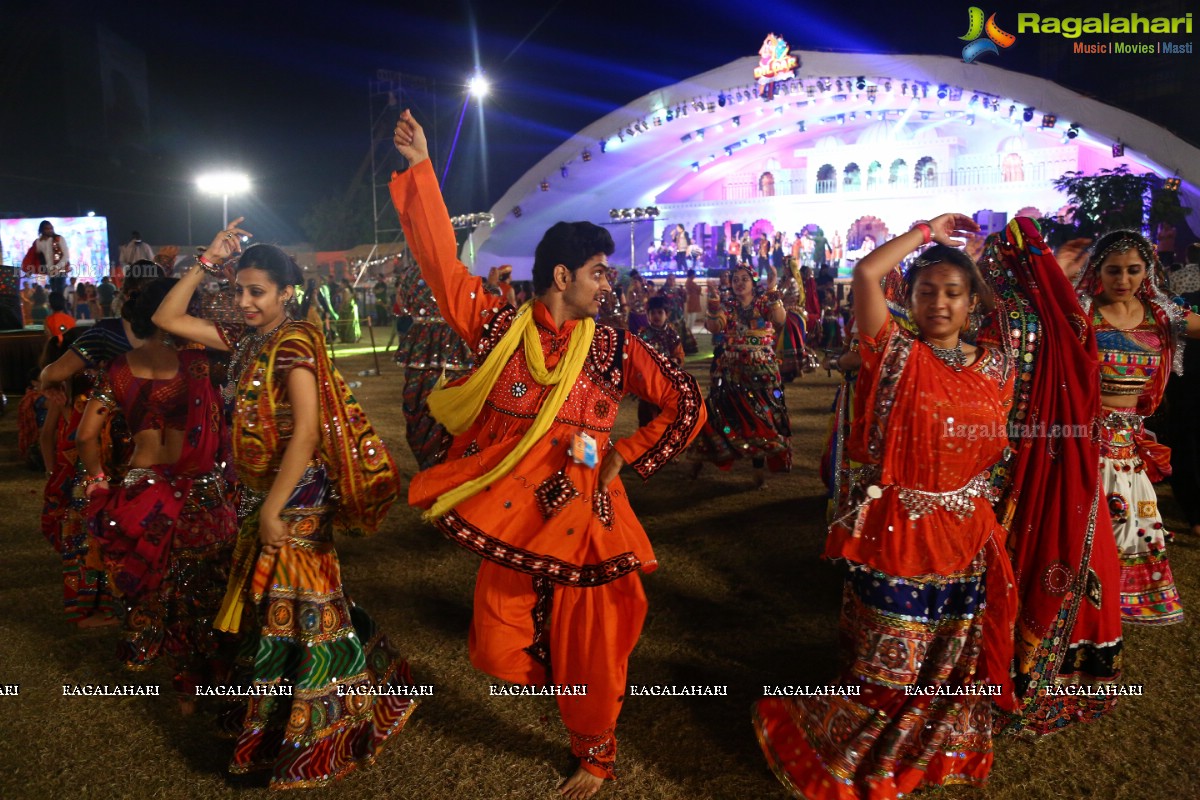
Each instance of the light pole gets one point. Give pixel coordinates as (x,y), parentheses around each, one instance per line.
(223,184)
(478,87)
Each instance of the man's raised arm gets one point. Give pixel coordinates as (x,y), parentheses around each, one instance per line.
(427,229)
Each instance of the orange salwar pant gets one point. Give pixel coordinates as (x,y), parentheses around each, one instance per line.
(534,632)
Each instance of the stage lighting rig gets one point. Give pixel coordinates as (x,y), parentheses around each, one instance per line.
(467,221)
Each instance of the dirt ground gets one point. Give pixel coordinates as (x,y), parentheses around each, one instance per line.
(741,599)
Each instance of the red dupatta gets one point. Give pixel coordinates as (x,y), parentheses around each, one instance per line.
(1060,534)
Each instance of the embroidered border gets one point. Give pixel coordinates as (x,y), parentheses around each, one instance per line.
(463,533)
(600,750)
(493,331)
(678,432)
(539,648)
(604,364)
(891,367)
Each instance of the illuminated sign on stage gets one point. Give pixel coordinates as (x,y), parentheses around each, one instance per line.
(775,63)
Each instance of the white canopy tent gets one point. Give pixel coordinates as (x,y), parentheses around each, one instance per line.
(688,149)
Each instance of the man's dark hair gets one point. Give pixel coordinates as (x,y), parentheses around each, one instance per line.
(570,244)
(656,303)
(57,302)
(137,236)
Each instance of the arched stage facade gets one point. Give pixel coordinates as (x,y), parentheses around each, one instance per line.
(892,138)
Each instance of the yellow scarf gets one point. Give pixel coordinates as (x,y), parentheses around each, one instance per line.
(456,407)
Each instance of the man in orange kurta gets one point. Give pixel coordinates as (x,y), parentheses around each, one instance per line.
(558,598)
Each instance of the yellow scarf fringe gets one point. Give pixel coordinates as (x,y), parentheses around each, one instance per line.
(456,407)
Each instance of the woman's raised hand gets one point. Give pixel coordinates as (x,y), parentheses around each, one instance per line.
(226,243)
(952,229)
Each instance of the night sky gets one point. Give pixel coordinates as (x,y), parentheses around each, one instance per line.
(281,91)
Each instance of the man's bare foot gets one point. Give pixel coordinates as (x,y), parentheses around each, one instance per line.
(581,785)
(760,479)
(96,621)
(187,706)
(1196,530)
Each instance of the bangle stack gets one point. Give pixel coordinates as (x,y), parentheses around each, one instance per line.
(208,266)
(926,231)
(94,479)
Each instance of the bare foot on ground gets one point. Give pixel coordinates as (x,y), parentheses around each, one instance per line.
(581,785)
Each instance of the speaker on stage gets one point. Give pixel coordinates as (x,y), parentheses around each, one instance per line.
(10,300)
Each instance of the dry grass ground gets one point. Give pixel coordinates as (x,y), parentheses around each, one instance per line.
(741,599)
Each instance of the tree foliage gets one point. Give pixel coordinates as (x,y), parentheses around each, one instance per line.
(1111,199)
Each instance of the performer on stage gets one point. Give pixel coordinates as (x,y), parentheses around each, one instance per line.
(49,255)
(531,482)
(682,243)
(166,529)
(747,415)
(922,544)
(1140,336)
(308,463)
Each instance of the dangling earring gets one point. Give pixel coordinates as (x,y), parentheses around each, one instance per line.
(971,327)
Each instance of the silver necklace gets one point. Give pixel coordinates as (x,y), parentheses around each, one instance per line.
(953,357)
(247,348)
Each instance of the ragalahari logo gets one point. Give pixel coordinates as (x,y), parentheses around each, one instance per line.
(996,38)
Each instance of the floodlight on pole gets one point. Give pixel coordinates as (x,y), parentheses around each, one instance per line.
(223,184)
(478,86)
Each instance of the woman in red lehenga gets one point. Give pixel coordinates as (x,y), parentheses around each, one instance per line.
(166,528)
(928,602)
(1140,337)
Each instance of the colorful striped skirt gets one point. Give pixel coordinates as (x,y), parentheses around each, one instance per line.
(907,711)
(343,689)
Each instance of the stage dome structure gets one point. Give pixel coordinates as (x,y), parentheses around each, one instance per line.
(851,136)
